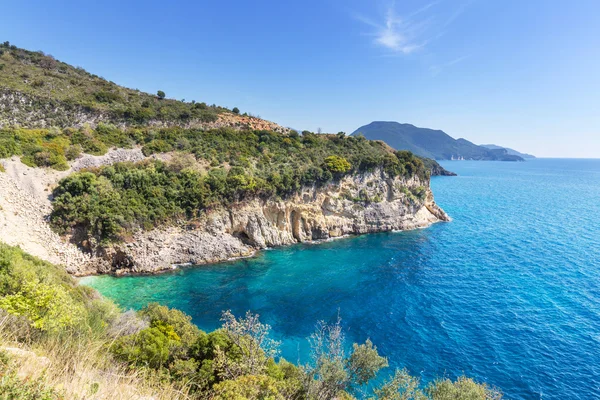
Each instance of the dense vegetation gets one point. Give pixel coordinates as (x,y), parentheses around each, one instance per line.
(53,84)
(94,348)
(210,168)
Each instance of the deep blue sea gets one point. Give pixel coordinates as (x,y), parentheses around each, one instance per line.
(508,292)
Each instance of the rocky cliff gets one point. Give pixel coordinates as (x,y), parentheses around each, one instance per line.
(362,203)
(365,203)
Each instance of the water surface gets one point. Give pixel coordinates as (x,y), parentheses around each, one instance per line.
(508,292)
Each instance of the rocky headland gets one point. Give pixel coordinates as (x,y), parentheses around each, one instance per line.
(364,203)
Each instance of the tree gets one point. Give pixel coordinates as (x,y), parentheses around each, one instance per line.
(251,337)
(236,110)
(332,373)
(161,95)
(364,362)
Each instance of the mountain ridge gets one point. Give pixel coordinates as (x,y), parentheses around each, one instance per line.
(430,143)
(509,150)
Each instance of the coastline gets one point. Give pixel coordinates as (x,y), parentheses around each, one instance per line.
(256,252)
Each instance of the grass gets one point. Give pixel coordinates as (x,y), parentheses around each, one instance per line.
(71,367)
(51,85)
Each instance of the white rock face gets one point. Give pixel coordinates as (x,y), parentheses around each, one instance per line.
(368,202)
(314,214)
(25,205)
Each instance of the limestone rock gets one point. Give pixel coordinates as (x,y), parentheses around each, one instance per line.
(364,203)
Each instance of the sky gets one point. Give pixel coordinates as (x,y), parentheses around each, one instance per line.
(522,74)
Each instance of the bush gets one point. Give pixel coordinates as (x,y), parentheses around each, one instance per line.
(161,95)
(45,296)
(248,387)
(104,96)
(337,165)
(463,388)
(13,387)
(236,110)
(48,307)
(181,324)
(73,152)
(149,347)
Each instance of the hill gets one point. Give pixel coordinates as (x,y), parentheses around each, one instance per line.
(435,144)
(508,150)
(36,90)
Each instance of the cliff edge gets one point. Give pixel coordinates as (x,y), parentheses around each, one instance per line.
(366,203)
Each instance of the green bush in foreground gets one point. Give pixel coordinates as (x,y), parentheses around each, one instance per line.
(47,296)
(238,361)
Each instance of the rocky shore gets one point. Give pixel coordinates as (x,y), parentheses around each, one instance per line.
(240,231)
(364,203)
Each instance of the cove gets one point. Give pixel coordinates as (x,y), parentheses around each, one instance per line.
(507,293)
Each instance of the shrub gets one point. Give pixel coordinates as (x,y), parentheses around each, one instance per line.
(160,316)
(149,347)
(337,165)
(236,110)
(463,388)
(248,387)
(105,96)
(161,95)
(13,387)
(48,307)
(9,147)
(45,296)
(73,152)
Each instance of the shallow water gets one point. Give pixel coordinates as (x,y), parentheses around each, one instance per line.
(508,292)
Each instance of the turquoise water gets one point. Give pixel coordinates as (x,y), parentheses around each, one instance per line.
(508,292)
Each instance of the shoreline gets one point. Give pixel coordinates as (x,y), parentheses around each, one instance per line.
(255,253)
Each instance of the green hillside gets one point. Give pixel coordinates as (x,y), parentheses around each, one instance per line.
(429,143)
(47,81)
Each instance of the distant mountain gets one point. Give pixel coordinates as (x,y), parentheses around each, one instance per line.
(508,150)
(430,143)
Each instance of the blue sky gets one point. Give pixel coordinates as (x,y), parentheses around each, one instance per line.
(523,74)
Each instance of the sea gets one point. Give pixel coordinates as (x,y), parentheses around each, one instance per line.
(507,293)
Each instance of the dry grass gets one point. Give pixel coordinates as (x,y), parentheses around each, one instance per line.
(81,368)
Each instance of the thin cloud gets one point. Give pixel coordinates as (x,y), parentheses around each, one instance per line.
(437,69)
(405,34)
